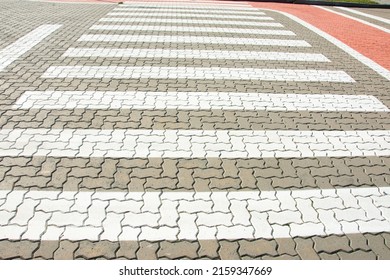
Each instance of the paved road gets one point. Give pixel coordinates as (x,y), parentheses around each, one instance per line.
(147,130)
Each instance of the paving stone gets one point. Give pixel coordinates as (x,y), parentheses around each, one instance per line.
(147,250)
(257,248)
(93,250)
(305,249)
(377,245)
(326,256)
(46,249)
(19,249)
(358,241)
(178,250)
(228,250)
(357,255)
(208,249)
(281,257)
(286,246)
(66,250)
(331,244)
(386,237)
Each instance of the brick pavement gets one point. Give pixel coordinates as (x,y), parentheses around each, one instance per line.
(221,146)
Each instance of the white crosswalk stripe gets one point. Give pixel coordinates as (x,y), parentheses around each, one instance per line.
(203,73)
(160,28)
(216,7)
(161,216)
(137,15)
(192,40)
(189,10)
(198,54)
(192,21)
(12,52)
(197,101)
(128,143)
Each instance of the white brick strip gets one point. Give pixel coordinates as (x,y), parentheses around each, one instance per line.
(21,46)
(112,218)
(189,10)
(188,2)
(197,101)
(130,143)
(138,15)
(192,21)
(197,54)
(186,6)
(192,40)
(381,19)
(161,28)
(202,73)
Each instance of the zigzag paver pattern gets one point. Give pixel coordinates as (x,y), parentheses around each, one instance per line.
(196,156)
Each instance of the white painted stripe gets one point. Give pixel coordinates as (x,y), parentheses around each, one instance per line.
(136,216)
(192,40)
(21,46)
(172,7)
(138,15)
(202,73)
(363,59)
(198,54)
(198,29)
(134,143)
(192,21)
(141,100)
(357,19)
(381,19)
(219,3)
(187,5)
(184,11)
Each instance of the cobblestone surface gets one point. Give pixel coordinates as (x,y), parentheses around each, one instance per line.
(170,133)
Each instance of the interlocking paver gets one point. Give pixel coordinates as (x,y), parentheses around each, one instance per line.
(305,249)
(208,249)
(176,250)
(127,249)
(258,248)
(377,245)
(92,250)
(66,250)
(189,150)
(147,250)
(357,255)
(46,249)
(331,244)
(228,250)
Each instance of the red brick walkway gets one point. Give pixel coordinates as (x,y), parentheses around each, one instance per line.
(369,41)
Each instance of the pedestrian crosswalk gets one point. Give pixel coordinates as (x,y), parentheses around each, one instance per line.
(103,53)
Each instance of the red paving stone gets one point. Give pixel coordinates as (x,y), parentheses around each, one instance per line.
(369,41)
